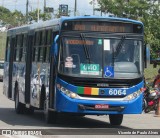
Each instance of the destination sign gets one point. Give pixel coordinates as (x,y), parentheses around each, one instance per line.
(102,26)
(79,42)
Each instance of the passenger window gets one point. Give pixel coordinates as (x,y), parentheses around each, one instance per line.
(47,54)
(37,38)
(40,38)
(7,50)
(24,47)
(18,48)
(21,47)
(36,54)
(40,54)
(17,55)
(33,54)
(49,36)
(43,37)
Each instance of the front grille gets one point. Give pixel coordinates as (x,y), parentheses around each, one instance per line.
(101,82)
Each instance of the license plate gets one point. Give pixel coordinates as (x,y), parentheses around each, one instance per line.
(101,106)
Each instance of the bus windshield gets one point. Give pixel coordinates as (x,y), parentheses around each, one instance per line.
(101,57)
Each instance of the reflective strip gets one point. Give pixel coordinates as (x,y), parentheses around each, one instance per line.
(87,91)
(80,90)
(95,91)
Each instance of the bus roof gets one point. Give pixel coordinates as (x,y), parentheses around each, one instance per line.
(59,21)
(33,26)
(100,18)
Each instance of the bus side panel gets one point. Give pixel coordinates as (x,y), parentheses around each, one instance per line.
(6,78)
(39,78)
(21,81)
(17,79)
(6,68)
(14,76)
(35,84)
(28,69)
(10,91)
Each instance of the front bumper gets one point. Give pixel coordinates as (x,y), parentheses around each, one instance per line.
(67,104)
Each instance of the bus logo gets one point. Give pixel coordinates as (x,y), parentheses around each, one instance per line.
(102,84)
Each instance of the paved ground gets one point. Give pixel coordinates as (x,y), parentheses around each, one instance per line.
(71,124)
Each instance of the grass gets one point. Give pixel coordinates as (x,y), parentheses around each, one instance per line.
(2,45)
(150,73)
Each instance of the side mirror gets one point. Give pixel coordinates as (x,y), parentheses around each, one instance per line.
(54,48)
(147,55)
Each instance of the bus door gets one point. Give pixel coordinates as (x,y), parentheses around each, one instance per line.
(28,68)
(53,73)
(11,67)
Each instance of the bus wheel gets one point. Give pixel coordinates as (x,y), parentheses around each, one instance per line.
(29,111)
(116,119)
(50,116)
(19,107)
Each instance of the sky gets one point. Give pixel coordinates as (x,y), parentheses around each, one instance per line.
(83,6)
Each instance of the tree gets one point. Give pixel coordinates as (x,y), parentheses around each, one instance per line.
(5,15)
(42,16)
(15,18)
(18,18)
(143,10)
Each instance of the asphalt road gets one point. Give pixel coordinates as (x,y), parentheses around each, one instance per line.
(96,125)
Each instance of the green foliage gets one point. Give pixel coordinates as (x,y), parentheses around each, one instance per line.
(143,10)
(2,44)
(17,18)
(5,15)
(42,16)
(150,73)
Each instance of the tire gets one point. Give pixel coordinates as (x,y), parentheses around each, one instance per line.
(144,106)
(50,116)
(29,111)
(116,119)
(147,110)
(19,107)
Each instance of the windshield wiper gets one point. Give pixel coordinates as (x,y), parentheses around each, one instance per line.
(85,47)
(119,46)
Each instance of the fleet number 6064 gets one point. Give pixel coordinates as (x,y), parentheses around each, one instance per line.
(117,92)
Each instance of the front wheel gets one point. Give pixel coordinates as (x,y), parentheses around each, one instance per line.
(147,110)
(50,116)
(144,105)
(116,119)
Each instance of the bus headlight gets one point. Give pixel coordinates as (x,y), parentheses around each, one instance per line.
(132,96)
(67,92)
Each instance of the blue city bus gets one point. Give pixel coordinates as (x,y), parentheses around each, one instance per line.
(80,65)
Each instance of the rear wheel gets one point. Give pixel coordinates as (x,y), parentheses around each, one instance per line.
(29,111)
(116,119)
(19,107)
